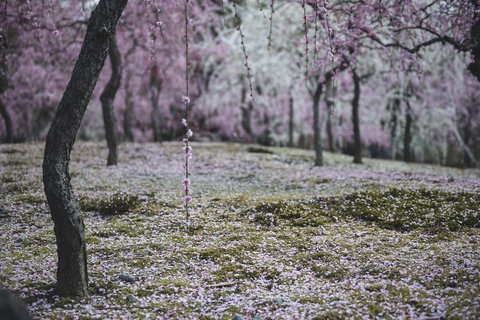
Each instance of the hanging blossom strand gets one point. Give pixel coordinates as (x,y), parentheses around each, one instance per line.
(186,149)
(239,29)
(332,57)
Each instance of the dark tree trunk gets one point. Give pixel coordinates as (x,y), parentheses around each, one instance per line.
(394,106)
(357,149)
(157,118)
(290,123)
(329,102)
(107,97)
(127,114)
(246,122)
(474,67)
(408,136)
(72,277)
(317,136)
(3,87)
(8,122)
(467,160)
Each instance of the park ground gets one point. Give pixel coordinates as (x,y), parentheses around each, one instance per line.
(270,235)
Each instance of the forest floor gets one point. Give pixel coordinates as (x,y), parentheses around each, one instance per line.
(270,235)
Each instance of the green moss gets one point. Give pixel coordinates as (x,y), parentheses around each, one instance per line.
(235,271)
(117,203)
(218,253)
(299,213)
(399,209)
(406,209)
(331,315)
(33,198)
(330,272)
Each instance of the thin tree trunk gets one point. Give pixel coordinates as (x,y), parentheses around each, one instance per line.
(467,163)
(395,104)
(157,118)
(317,136)
(357,152)
(290,123)
(246,122)
(8,122)
(72,276)
(127,114)
(329,102)
(107,97)
(464,146)
(407,137)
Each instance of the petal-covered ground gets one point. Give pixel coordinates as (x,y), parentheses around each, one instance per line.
(269,236)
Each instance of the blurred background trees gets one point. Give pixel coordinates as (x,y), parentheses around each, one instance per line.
(412,62)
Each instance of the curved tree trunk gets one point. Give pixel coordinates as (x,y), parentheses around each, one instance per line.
(8,122)
(72,278)
(107,97)
(357,152)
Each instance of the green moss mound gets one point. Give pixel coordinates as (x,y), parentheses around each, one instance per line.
(407,209)
(118,203)
(298,213)
(399,209)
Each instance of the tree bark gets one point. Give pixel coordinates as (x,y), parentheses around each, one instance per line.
(127,114)
(155,89)
(72,276)
(107,97)
(317,136)
(474,67)
(407,137)
(357,150)
(8,122)
(329,102)
(3,87)
(394,104)
(290,123)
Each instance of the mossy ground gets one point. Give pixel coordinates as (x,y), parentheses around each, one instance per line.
(384,239)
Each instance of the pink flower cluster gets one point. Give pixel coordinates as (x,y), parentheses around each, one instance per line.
(188,155)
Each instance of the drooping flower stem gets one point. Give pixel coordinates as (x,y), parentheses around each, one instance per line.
(306,37)
(272,11)
(187,102)
(332,57)
(239,29)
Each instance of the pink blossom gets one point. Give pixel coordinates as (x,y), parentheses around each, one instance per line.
(188,156)
(186,191)
(186,182)
(185,99)
(184,122)
(185,140)
(189,133)
(187,150)
(188,199)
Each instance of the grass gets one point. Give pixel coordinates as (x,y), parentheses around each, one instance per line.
(380,240)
